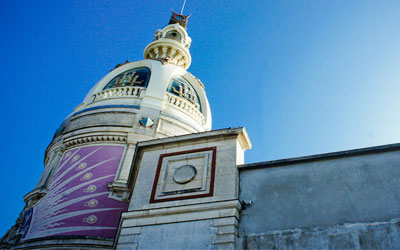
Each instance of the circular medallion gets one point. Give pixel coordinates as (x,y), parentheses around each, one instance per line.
(91,219)
(81,166)
(75,158)
(87,176)
(90,189)
(184,174)
(92,203)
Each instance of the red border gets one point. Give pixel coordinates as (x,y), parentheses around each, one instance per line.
(156,178)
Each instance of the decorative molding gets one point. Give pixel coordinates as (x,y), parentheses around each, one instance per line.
(94,138)
(166,189)
(35,195)
(164,215)
(57,147)
(168,54)
(118,191)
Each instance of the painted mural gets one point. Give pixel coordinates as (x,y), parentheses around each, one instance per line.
(77,202)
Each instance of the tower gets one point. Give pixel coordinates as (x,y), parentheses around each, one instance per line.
(88,177)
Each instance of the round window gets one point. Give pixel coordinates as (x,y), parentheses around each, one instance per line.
(173,34)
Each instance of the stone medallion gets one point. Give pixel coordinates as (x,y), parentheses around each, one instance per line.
(184,174)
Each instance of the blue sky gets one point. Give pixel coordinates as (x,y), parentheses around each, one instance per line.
(303,77)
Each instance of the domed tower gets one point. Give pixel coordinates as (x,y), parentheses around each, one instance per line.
(83,190)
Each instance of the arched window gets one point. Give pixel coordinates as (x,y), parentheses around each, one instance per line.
(138,77)
(180,87)
(173,34)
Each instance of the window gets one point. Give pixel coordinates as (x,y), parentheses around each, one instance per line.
(138,77)
(180,87)
(173,34)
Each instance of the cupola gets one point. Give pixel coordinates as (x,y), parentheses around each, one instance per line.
(171,43)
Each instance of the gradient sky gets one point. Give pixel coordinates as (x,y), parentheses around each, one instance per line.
(303,77)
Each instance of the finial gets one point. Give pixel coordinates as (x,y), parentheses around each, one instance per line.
(183,6)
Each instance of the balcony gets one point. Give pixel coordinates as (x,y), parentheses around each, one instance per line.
(119,92)
(186,107)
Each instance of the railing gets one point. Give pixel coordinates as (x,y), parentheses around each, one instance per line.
(186,106)
(118,92)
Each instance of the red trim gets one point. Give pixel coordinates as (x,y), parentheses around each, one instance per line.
(156,178)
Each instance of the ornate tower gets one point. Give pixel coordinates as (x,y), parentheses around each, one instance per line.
(85,185)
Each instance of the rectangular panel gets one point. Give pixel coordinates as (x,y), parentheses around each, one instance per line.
(184,175)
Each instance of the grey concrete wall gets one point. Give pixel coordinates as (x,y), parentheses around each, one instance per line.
(385,235)
(319,194)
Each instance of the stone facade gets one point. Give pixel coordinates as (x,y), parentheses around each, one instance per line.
(205,208)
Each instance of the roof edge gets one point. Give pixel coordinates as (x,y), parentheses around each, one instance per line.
(240,131)
(321,157)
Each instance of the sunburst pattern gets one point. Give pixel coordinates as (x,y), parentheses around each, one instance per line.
(77,202)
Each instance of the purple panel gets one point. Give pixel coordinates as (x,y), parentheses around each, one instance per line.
(77,203)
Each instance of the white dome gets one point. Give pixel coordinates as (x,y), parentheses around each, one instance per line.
(154,97)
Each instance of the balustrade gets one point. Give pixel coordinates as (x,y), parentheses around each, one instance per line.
(187,107)
(118,92)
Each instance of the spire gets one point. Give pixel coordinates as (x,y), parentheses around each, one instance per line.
(171,43)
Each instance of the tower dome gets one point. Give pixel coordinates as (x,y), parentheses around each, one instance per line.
(85,184)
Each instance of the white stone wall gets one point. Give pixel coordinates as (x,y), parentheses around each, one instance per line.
(214,210)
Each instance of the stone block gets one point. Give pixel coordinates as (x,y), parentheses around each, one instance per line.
(227,212)
(229,229)
(131,230)
(129,223)
(186,217)
(207,214)
(167,219)
(224,238)
(147,221)
(126,239)
(225,221)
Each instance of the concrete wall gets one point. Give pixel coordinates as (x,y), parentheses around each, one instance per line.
(378,235)
(351,198)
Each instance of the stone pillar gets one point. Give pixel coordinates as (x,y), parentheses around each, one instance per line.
(119,187)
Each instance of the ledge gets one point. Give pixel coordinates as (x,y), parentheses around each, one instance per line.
(321,157)
(240,131)
(182,213)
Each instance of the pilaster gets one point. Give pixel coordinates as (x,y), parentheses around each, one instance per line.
(119,187)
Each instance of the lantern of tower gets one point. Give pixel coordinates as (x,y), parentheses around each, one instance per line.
(171,43)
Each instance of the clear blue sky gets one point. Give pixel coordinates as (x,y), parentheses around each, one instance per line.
(303,77)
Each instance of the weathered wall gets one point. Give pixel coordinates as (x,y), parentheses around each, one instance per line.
(323,201)
(384,235)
